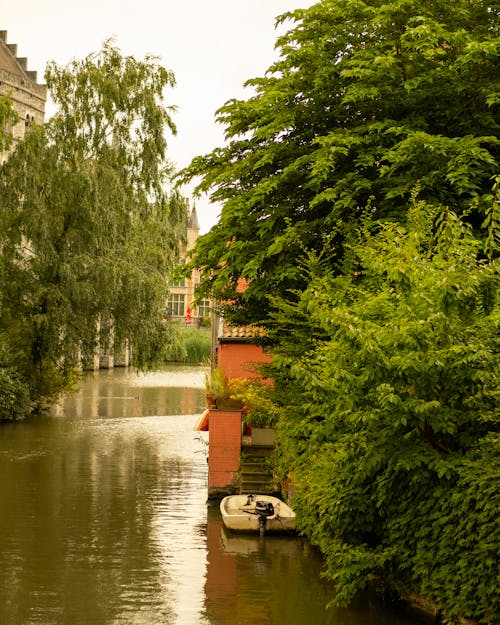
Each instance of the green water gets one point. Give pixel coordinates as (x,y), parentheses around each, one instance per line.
(104,521)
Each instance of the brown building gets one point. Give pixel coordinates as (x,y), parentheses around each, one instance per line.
(21,86)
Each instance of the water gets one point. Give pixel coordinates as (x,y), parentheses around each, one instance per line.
(104,521)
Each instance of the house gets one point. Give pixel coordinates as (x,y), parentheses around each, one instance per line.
(238,355)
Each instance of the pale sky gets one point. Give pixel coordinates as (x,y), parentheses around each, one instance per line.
(212,46)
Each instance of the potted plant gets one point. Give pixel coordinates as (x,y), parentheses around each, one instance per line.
(258,407)
(215,386)
(218,391)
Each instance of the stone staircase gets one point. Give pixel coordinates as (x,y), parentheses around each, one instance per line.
(255,474)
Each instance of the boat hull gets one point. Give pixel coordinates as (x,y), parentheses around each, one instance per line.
(240,513)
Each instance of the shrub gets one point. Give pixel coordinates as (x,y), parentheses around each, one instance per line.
(259,407)
(14,395)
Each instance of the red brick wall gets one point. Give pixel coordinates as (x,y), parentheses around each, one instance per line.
(224,451)
(237,360)
(221,586)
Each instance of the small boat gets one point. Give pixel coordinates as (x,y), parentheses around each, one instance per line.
(202,424)
(257,513)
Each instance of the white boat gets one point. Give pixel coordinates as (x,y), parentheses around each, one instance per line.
(257,513)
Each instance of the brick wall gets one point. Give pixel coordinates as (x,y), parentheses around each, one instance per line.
(238,360)
(224,452)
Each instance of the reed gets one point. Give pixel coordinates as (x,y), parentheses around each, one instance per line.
(190,346)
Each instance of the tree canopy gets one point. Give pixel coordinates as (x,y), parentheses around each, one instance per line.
(359,190)
(390,378)
(89,230)
(368,98)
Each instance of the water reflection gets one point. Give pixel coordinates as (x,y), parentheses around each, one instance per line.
(122,393)
(99,513)
(276,580)
(104,521)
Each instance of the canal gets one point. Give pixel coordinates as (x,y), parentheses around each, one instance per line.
(104,521)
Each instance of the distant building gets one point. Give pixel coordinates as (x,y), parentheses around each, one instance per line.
(180,303)
(21,86)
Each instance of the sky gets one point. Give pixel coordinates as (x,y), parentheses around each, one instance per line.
(212,47)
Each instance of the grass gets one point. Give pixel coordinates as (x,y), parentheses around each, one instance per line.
(191,345)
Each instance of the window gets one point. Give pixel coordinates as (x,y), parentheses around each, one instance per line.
(204,308)
(176,305)
(181,283)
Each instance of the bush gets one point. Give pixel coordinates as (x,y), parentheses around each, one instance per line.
(392,424)
(447,538)
(14,395)
(259,406)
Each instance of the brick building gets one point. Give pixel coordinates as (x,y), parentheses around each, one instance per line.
(238,354)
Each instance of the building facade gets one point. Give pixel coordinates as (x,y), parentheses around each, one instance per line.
(21,86)
(180,303)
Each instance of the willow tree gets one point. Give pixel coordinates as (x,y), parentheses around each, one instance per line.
(89,231)
(366,99)
(8,117)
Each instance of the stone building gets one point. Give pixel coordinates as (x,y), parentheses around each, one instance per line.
(180,304)
(21,86)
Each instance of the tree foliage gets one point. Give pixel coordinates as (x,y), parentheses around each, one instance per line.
(382,308)
(8,117)
(391,378)
(367,99)
(88,229)
(14,396)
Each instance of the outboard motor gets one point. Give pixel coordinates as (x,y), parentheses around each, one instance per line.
(263,509)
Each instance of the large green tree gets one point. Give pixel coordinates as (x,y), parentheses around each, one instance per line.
(367,99)
(88,229)
(390,378)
